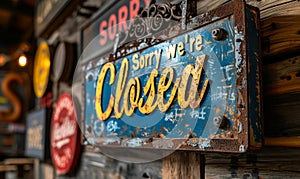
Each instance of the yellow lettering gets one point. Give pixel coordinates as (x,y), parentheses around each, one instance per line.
(149,90)
(171,51)
(183,101)
(198,42)
(133,89)
(195,73)
(142,62)
(192,44)
(120,87)
(99,89)
(196,76)
(180,49)
(163,86)
(158,56)
(135,62)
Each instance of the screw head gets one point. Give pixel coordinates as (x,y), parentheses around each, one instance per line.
(218,34)
(220,122)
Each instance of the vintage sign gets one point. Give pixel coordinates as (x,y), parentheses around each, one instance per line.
(114,18)
(63,62)
(65,143)
(41,69)
(36,134)
(10,102)
(47,11)
(4,101)
(200,88)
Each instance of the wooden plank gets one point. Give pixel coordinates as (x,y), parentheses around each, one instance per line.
(270,8)
(279,23)
(282,77)
(282,97)
(281,35)
(208,5)
(282,115)
(283,141)
(181,165)
(271,162)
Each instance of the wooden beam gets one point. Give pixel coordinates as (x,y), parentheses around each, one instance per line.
(183,164)
(283,141)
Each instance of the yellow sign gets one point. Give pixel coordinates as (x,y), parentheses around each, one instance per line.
(41,69)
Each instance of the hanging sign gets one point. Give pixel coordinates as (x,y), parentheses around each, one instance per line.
(65,143)
(200,88)
(63,62)
(36,134)
(41,69)
(115,19)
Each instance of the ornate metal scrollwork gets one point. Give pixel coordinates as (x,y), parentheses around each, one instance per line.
(153,25)
(153,19)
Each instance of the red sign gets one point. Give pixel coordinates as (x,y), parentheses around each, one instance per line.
(112,21)
(65,143)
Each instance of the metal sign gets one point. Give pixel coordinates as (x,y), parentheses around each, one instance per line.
(65,143)
(118,12)
(36,134)
(11,101)
(41,69)
(46,12)
(4,101)
(63,57)
(200,88)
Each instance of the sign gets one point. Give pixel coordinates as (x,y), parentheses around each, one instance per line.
(10,102)
(36,134)
(46,12)
(65,144)
(41,69)
(104,28)
(200,88)
(4,101)
(63,61)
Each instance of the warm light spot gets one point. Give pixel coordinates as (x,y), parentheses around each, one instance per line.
(46,62)
(22,61)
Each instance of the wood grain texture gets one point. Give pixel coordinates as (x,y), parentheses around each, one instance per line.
(270,162)
(181,165)
(208,5)
(280,23)
(268,8)
(282,77)
(281,35)
(283,141)
(272,8)
(282,97)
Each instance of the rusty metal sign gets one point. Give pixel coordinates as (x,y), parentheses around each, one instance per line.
(198,90)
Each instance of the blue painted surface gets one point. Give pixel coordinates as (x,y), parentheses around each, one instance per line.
(219,99)
(36,121)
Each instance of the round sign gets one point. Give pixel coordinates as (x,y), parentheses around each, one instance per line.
(62,61)
(41,69)
(65,144)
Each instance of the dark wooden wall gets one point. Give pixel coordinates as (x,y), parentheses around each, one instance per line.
(280,155)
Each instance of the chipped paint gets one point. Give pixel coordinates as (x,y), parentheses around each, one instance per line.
(230,53)
(204,143)
(242,148)
(163,144)
(113,140)
(215,18)
(135,142)
(238,37)
(193,142)
(240,129)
